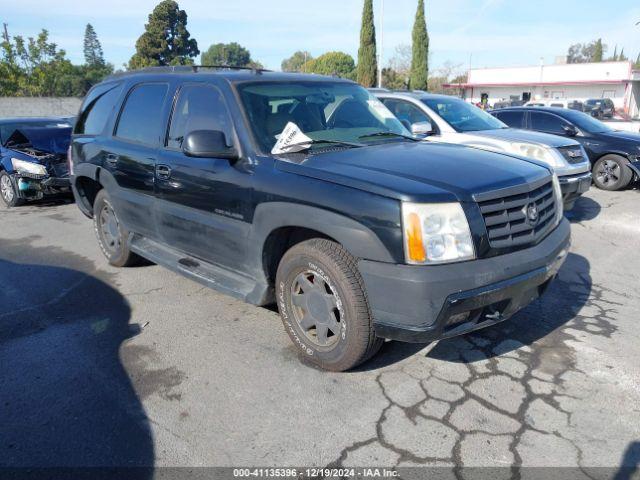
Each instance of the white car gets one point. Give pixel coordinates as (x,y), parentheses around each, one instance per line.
(443,118)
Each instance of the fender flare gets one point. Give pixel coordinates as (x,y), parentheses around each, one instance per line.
(357,239)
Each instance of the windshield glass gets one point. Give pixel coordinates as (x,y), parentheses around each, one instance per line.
(463,116)
(586,122)
(333,111)
(6,129)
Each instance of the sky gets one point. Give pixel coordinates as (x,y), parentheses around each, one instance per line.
(480,33)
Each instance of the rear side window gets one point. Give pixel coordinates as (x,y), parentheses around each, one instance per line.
(141,117)
(547,123)
(97,108)
(199,107)
(513,119)
(406,112)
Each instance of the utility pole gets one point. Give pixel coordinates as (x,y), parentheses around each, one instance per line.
(380,55)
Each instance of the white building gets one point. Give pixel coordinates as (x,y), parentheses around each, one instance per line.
(575,81)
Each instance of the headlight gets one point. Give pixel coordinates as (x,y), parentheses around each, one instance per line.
(538,152)
(22,166)
(557,191)
(436,233)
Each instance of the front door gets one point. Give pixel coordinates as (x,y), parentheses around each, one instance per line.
(203,203)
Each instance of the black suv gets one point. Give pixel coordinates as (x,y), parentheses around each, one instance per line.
(306,191)
(599,107)
(614,155)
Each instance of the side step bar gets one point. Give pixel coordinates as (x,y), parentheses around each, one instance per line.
(212,276)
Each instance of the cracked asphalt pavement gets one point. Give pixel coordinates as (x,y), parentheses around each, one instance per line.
(141,367)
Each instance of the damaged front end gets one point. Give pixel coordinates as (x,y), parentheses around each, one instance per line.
(38,161)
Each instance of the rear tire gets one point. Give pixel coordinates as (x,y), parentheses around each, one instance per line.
(113,238)
(611,173)
(323,305)
(8,191)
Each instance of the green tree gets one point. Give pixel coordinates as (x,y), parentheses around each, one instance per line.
(622,57)
(166,40)
(615,54)
(420,51)
(598,51)
(637,64)
(227,54)
(92,48)
(332,63)
(367,62)
(296,61)
(393,79)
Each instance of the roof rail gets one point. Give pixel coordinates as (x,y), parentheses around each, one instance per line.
(186,69)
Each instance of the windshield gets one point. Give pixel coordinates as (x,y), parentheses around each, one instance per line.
(332,111)
(586,122)
(463,116)
(6,129)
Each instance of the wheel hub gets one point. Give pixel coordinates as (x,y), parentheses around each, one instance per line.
(316,309)
(110,228)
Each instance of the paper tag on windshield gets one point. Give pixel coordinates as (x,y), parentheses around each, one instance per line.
(291,140)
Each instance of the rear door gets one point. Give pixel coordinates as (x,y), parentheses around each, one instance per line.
(131,154)
(514,119)
(203,203)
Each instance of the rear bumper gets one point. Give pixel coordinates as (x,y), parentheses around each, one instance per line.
(573,186)
(427,303)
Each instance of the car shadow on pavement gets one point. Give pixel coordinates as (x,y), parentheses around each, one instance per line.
(585,209)
(630,464)
(65,398)
(566,295)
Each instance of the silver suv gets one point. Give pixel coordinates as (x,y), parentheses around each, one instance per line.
(443,118)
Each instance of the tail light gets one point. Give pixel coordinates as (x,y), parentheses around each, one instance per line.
(70,160)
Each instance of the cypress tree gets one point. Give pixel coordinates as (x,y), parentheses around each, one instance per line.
(420,51)
(367,62)
(93,55)
(615,54)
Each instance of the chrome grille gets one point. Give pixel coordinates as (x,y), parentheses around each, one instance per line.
(572,154)
(506,219)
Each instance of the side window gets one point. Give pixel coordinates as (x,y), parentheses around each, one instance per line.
(512,119)
(199,107)
(96,109)
(547,123)
(406,112)
(141,116)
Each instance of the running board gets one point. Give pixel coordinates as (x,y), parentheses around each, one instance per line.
(205,273)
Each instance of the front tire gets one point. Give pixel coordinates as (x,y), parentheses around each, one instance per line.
(323,305)
(113,238)
(611,173)
(8,191)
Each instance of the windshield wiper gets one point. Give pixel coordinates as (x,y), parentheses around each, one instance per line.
(308,144)
(390,134)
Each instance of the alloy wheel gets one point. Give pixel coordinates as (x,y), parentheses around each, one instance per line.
(109,228)
(316,309)
(7,189)
(609,171)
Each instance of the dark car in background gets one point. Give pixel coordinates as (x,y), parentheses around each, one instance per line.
(33,158)
(599,107)
(613,154)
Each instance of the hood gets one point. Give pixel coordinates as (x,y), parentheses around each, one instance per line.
(517,135)
(417,171)
(48,139)
(622,135)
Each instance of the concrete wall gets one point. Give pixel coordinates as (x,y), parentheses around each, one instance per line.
(39,106)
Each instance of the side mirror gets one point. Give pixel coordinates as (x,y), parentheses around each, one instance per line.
(208,144)
(570,130)
(422,128)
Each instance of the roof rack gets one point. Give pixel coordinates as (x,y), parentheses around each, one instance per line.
(187,69)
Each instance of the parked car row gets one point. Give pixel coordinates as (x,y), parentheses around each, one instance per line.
(406,216)
(596,107)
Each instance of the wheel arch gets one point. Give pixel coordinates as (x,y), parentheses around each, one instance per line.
(277,226)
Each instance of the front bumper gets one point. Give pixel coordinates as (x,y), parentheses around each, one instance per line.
(573,186)
(33,187)
(426,303)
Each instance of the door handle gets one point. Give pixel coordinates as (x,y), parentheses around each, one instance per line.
(163,172)
(112,158)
